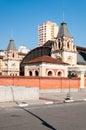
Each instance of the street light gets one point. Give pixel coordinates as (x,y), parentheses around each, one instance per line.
(68,97)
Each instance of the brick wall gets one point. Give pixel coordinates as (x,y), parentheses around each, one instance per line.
(41,82)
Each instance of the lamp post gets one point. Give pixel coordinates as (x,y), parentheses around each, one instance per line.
(68,97)
(69,82)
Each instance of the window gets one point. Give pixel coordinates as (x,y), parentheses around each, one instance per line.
(59,74)
(36,73)
(59,44)
(13,55)
(49,73)
(30,73)
(68,45)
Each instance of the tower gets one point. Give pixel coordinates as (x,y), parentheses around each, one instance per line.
(11,60)
(47,31)
(64,47)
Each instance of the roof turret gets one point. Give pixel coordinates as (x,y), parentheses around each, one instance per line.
(11,45)
(63,31)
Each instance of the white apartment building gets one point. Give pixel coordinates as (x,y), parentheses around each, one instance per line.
(47,31)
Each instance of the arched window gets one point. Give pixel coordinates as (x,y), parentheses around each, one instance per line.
(68,45)
(49,73)
(10,74)
(59,45)
(74,74)
(13,55)
(59,74)
(30,73)
(36,73)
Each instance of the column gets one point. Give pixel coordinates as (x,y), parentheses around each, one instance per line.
(82,79)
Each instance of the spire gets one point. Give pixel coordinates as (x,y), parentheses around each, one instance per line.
(11,45)
(63,31)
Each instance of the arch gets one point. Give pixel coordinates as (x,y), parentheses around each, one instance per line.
(30,73)
(68,45)
(59,73)
(36,73)
(59,45)
(74,74)
(50,73)
(15,74)
(13,55)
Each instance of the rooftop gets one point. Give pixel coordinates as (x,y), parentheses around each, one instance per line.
(47,59)
(63,30)
(11,45)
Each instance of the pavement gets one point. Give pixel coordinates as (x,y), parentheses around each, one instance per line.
(47,98)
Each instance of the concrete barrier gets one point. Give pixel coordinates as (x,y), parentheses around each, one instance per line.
(17,93)
(58,90)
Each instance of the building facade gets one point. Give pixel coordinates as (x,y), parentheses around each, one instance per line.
(47,31)
(64,47)
(10,60)
(45,66)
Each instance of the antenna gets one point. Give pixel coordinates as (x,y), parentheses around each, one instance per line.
(63,10)
(63,16)
(11,35)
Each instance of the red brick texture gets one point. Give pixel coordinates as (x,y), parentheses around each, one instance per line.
(41,82)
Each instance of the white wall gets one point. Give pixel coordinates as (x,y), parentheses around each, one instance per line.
(16,93)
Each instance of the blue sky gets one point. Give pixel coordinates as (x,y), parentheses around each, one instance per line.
(19,20)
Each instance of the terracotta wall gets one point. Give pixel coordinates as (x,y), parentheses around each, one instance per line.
(41,82)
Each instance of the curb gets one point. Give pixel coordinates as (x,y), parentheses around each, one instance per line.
(46,102)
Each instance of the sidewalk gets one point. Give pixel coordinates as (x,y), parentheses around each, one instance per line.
(60,96)
(47,98)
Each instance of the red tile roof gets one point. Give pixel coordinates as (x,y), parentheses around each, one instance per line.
(47,59)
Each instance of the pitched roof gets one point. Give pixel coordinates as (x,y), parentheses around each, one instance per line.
(63,31)
(37,52)
(11,45)
(81,49)
(49,43)
(45,58)
(81,58)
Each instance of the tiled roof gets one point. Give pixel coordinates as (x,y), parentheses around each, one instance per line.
(37,52)
(63,31)
(45,58)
